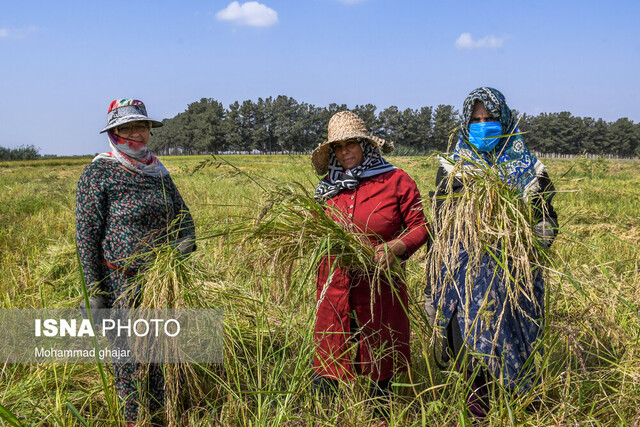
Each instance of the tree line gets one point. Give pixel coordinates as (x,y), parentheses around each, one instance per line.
(283,124)
(28,152)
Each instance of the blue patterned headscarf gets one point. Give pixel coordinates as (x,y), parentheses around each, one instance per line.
(519,167)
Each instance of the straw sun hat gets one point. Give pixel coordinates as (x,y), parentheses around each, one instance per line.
(343,126)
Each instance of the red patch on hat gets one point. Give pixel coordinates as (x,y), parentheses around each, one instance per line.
(114,104)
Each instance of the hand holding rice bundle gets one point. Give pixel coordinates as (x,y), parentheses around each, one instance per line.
(494,221)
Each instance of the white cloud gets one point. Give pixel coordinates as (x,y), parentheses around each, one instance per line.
(15,33)
(465,41)
(251,13)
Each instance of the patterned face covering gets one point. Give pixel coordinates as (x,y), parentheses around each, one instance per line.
(135,149)
(133,155)
(340,179)
(516,164)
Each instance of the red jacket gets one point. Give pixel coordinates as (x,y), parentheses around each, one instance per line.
(387,206)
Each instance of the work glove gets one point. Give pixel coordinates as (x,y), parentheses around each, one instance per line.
(545,233)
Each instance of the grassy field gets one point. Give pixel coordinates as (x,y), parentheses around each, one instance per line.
(590,367)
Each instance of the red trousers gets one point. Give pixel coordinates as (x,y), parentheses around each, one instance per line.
(379,345)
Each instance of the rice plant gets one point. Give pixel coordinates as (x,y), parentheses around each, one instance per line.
(489,217)
(167,280)
(589,370)
(291,225)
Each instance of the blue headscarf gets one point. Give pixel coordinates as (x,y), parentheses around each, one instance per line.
(517,165)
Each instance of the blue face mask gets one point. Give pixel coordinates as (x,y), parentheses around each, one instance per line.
(485,136)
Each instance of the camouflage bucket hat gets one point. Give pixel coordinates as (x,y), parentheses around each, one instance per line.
(127,110)
(343,126)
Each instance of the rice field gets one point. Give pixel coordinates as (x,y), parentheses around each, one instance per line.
(590,366)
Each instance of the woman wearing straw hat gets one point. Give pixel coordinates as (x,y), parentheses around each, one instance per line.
(373,197)
(124,197)
(483,309)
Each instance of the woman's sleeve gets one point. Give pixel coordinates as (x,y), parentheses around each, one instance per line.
(91,212)
(441,187)
(416,232)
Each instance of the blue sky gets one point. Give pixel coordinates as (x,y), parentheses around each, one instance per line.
(62,62)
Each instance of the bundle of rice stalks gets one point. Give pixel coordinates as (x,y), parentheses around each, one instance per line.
(168,280)
(493,223)
(292,226)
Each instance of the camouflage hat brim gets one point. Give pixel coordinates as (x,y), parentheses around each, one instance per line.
(127,114)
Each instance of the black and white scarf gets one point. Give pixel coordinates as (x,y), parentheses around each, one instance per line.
(339,179)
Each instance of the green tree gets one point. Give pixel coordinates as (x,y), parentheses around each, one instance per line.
(424,129)
(23,152)
(317,127)
(390,124)
(232,127)
(173,138)
(205,121)
(597,136)
(445,120)
(249,121)
(288,123)
(624,137)
(263,135)
(538,138)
